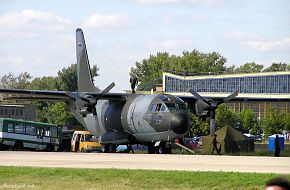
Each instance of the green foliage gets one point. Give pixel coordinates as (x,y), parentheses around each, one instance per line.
(67,78)
(278,67)
(249,122)
(150,70)
(198,126)
(59,114)
(43,83)
(226,117)
(249,68)
(19,82)
(69,178)
(275,122)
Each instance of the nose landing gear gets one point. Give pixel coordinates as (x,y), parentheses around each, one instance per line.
(159,148)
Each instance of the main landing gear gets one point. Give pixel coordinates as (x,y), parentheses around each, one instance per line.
(161,148)
(109,148)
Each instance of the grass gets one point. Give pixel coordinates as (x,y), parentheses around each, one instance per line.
(59,178)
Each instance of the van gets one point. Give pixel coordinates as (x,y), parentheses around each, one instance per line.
(84,141)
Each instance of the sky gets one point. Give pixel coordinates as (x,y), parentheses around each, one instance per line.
(38,37)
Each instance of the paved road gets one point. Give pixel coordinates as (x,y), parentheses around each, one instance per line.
(146,161)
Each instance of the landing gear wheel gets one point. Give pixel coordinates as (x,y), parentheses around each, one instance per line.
(163,148)
(109,148)
(112,148)
(151,149)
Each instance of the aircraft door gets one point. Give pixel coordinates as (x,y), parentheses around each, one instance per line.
(131,123)
(77,143)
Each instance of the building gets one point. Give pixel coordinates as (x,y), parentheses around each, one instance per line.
(257,91)
(25,112)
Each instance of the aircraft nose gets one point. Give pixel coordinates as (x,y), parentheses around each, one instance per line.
(180,123)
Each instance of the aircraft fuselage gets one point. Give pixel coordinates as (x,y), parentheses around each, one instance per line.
(140,118)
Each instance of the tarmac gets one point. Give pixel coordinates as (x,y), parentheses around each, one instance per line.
(147,161)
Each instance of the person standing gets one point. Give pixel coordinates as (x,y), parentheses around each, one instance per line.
(277,146)
(134,82)
(214,146)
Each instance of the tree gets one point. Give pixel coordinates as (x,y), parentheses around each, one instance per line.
(150,70)
(43,83)
(277,67)
(198,126)
(274,122)
(58,113)
(19,82)
(67,78)
(226,117)
(249,68)
(249,122)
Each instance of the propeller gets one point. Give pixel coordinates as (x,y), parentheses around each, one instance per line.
(90,100)
(207,107)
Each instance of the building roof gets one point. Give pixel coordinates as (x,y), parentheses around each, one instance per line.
(240,95)
(238,75)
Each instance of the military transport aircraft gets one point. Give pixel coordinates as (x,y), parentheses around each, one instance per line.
(120,118)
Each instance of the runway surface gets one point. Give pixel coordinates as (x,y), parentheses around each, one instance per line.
(146,161)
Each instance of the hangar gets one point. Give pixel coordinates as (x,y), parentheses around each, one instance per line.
(257,91)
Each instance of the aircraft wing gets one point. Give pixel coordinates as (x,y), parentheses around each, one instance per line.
(34,95)
(20,94)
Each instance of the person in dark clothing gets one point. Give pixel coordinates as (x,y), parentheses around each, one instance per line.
(134,82)
(277,184)
(214,146)
(277,146)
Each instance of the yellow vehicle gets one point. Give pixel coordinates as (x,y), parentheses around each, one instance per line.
(84,141)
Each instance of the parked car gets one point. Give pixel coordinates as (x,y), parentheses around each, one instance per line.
(123,149)
(84,141)
(190,143)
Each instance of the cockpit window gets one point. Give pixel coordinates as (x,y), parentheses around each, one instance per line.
(153,107)
(163,107)
(181,107)
(171,106)
(158,107)
(175,107)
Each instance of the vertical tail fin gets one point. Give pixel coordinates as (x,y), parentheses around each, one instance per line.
(85,80)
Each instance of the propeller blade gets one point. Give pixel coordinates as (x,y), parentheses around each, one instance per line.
(233,95)
(77,96)
(199,97)
(106,90)
(226,99)
(195,94)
